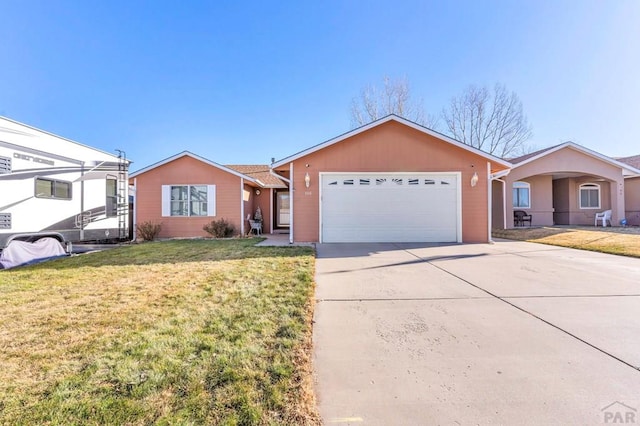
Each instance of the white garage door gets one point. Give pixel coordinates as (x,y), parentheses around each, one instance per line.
(390,207)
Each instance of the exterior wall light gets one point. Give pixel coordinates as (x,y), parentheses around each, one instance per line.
(474,179)
(307,180)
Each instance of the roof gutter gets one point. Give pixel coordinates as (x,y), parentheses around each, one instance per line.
(279,177)
(501,174)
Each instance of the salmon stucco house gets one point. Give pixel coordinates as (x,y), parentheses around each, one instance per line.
(184,192)
(389,181)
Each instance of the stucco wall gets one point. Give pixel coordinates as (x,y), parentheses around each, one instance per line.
(187,171)
(632,200)
(497,211)
(391,147)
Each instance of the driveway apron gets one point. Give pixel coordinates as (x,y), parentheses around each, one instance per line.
(507,333)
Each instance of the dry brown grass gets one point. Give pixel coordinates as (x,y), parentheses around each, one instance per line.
(178,332)
(621,241)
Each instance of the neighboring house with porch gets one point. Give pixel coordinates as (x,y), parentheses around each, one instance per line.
(566,184)
(632,191)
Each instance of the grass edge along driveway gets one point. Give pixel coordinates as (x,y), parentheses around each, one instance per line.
(620,241)
(175,332)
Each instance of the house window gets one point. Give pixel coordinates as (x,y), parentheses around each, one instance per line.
(51,188)
(521,195)
(589,196)
(188,200)
(112,198)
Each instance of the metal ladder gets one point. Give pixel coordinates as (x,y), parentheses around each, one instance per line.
(123,202)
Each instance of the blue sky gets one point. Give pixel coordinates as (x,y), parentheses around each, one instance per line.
(247,81)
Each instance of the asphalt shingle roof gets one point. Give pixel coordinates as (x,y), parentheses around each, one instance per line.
(633,161)
(259,172)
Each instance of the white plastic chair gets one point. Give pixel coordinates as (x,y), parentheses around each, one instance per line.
(605,217)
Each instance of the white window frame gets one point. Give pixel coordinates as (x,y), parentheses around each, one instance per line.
(166,200)
(521,185)
(591,186)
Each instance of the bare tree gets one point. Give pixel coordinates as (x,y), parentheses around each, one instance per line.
(493,122)
(393,98)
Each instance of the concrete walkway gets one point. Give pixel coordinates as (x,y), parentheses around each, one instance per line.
(508,333)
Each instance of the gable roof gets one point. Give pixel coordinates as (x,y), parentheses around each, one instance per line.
(376,123)
(627,169)
(195,157)
(524,157)
(261,173)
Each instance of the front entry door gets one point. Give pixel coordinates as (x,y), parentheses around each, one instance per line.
(282,209)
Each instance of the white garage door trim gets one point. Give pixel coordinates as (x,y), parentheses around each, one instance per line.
(420,175)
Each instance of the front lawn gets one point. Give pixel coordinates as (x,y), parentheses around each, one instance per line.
(622,241)
(176,332)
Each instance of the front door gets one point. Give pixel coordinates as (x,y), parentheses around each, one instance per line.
(282,209)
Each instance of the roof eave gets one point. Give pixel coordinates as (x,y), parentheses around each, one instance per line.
(584,150)
(383,120)
(195,157)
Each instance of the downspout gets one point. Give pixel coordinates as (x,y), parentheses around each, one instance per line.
(489,203)
(271,215)
(242,206)
(291,192)
(135,208)
(82,202)
(498,176)
(504,203)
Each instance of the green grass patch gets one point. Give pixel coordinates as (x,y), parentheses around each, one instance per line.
(175,332)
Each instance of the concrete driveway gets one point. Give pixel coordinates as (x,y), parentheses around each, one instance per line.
(507,333)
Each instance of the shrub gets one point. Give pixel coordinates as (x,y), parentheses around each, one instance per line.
(220,228)
(148,230)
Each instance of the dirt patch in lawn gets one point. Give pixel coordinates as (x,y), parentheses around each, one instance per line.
(617,240)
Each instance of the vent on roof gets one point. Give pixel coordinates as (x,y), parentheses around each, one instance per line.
(5,165)
(5,220)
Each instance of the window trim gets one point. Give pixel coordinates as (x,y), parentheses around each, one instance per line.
(520,184)
(592,186)
(54,182)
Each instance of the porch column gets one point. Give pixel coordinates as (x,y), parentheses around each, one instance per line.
(617,201)
(508,202)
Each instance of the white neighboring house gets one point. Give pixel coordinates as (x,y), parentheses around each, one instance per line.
(52,186)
